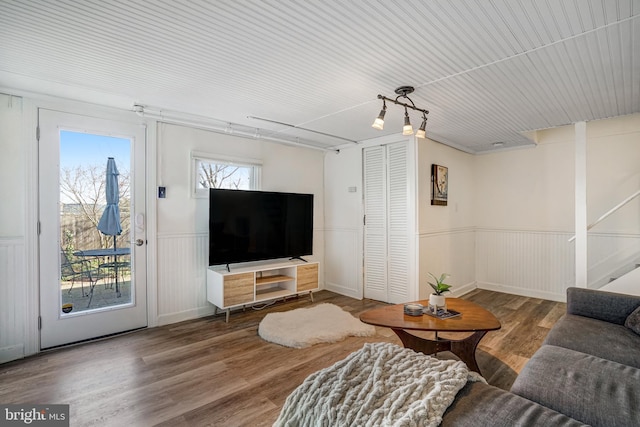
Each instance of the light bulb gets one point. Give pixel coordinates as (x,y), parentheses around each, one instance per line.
(407,129)
(378,123)
(421,131)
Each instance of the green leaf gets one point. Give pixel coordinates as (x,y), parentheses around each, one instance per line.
(440,287)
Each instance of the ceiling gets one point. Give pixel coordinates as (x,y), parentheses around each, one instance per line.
(488,71)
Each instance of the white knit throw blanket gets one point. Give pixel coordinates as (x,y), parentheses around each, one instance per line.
(380,385)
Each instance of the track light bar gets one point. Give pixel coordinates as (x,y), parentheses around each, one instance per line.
(222,127)
(407,129)
(304,129)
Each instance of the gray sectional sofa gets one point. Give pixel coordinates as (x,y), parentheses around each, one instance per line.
(587,372)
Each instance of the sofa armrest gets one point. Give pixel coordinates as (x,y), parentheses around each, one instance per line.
(608,306)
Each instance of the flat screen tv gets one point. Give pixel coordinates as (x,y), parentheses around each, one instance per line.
(258,225)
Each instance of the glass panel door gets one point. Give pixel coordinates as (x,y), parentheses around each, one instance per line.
(92,277)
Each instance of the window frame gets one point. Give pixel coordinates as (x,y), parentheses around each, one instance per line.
(198,157)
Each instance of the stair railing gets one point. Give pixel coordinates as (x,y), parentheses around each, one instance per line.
(609,212)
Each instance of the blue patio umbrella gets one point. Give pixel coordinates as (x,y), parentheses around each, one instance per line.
(109,223)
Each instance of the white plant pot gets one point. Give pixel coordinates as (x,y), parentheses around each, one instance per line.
(436,302)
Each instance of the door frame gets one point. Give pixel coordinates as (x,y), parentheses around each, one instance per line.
(119,111)
(413,206)
(56,328)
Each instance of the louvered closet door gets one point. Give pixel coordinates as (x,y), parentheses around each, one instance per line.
(375,229)
(398,224)
(386,246)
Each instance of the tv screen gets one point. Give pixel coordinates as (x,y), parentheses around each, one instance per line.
(258,225)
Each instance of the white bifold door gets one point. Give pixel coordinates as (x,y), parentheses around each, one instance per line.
(389,205)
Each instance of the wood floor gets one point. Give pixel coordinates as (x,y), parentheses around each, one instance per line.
(206,372)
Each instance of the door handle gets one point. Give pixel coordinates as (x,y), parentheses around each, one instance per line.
(139,242)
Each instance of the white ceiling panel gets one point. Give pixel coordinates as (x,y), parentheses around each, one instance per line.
(486,70)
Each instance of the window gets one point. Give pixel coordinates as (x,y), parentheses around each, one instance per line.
(221,172)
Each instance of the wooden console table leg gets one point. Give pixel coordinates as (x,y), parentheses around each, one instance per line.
(311,295)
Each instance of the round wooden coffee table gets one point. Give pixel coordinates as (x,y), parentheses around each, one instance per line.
(473,319)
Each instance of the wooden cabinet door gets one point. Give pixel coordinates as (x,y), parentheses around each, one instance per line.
(307,277)
(238,289)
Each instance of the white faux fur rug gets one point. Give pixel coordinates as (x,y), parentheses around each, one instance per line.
(304,327)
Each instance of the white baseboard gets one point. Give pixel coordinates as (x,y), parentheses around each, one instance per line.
(531,293)
(165,319)
(348,292)
(459,291)
(13,352)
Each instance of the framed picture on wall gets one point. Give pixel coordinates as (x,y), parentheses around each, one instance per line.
(439,185)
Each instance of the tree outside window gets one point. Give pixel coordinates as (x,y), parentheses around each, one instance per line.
(210,173)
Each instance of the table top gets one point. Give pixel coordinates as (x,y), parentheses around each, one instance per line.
(472,318)
(104,252)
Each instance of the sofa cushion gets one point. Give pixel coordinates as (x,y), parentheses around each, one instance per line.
(480,405)
(592,390)
(603,339)
(608,306)
(633,321)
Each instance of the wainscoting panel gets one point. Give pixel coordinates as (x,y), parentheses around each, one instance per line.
(12,299)
(182,277)
(530,263)
(343,257)
(451,251)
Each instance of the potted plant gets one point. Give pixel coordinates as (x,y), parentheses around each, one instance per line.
(437,299)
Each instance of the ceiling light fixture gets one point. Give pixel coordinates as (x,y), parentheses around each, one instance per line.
(378,123)
(421,130)
(407,129)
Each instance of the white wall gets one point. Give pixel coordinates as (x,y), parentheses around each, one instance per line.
(529,188)
(515,207)
(525,215)
(525,209)
(12,230)
(534,188)
(613,162)
(177,257)
(12,165)
(446,233)
(343,222)
(182,219)
(510,214)
(613,159)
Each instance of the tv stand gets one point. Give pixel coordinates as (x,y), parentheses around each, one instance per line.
(253,283)
(298,257)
